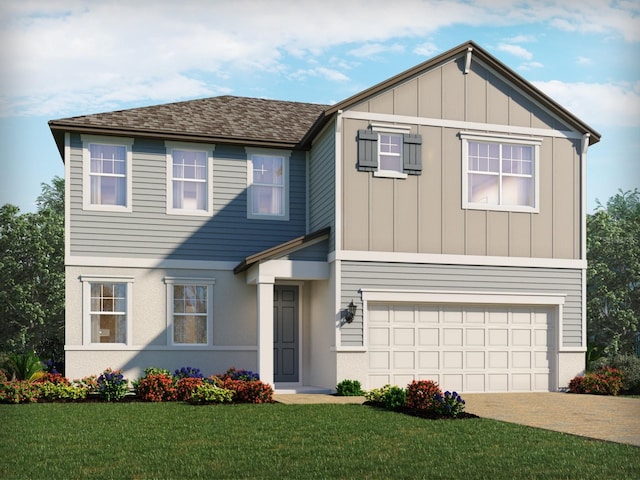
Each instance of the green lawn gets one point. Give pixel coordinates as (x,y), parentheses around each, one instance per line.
(177,440)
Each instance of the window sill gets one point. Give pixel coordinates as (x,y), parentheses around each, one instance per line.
(500,208)
(107,208)
(189,213)
(390,174)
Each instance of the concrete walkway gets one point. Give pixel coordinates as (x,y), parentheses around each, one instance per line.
(615,419)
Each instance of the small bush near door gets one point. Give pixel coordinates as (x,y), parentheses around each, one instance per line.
(349,388)
(605,381)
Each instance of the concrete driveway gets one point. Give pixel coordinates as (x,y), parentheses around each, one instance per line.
(615,419)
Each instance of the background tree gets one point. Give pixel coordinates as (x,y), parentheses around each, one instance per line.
(613,274)
(32,276)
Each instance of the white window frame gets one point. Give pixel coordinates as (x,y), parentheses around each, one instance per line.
(285,155)
(395,130)
(208,149)
(87,281)
(170,282)
(534,142)
(86,172)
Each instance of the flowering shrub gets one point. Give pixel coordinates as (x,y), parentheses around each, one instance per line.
(377,395)
(49,391)
(451,404)
(209,393)
(349,388)
(156,388)
(234,374)
(19,391)
(3,376)
(186,386)
(55,378)
(253,391)
(421,395)
(89,383)
(605,381)
(112,386)
(188,372)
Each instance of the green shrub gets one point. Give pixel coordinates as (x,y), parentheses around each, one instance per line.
(629,365)
(395,398)
(208,393)
(156,388)
(22,366)
(349,388)
(90,383)
(450,404)
(604,381)
(112,386)
(377,395)
(18,391)
(253,391)
(49,391)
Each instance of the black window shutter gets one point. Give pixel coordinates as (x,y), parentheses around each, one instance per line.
(412,154)
(367,151)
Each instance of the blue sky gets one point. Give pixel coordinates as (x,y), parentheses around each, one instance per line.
(66,58)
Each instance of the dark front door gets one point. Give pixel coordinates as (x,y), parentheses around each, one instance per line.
(285,333)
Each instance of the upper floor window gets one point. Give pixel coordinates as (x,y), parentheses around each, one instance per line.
(107,173)
(500,173)
(189,309)
(268,185)
(188,183)
(389,151)
(106,303)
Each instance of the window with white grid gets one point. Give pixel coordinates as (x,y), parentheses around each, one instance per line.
(500,173)
(189,309)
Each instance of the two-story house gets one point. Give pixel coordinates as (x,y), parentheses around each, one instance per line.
(431,226)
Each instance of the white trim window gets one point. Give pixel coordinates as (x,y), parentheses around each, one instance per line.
(390,153)
(268,185)
(188,179)
(106,304)
(500,173)
(189,310)
(107,173)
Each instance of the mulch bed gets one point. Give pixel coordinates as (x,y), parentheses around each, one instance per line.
(425,414)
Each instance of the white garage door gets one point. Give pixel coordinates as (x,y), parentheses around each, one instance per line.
(464,348)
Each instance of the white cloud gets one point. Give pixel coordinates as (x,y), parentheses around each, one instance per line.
(426,49)
(516,50)
(584,61)
(598,104)
(372,49)
(530,66)
(327,73)
(90,54)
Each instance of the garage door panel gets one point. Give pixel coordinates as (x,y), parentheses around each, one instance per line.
(428,337)
(521,338)
(467,348)
(498,337)
(452,337)
(521,360)
(498,359)
(379,360)
(404,336)
(475,360)
(379,337)
(429,360)
(404,360)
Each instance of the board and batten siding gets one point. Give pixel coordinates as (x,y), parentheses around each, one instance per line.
(149,232)
(424,214)
(462,278)
(322,182)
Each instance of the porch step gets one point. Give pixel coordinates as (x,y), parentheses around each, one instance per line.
(283,388)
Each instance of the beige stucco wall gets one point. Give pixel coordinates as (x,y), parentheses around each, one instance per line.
(234,332)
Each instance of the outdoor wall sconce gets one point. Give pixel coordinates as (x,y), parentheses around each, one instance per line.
(350,312)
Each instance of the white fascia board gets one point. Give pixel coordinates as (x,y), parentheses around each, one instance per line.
(461,297)
(267,272)
(446,259)
(460,124)
(126,262)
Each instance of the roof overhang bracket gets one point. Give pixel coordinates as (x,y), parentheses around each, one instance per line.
(467,63)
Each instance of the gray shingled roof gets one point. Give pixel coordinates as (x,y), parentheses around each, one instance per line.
(218,119)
